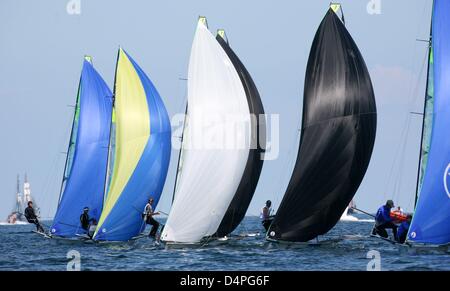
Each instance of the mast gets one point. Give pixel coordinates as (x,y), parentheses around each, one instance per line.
(336,6)
(424,112)
(180,151)
(202,19)
(26,190)
(71,140)
(19,204)
(107,174)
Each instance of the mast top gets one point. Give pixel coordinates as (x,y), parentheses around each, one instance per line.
(222,34)
(88,58)
(202,19)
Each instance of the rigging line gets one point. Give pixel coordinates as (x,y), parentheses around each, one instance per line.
(184,101)
(402,163)
(419,167)
(288,160)
(407,121)
(416,94)
(283,174)
(49,182)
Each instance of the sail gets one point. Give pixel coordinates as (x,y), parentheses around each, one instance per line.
(337,136)
(85,179)
(427,125)
(213,164)
(432,215)
(141,152)
(244,193)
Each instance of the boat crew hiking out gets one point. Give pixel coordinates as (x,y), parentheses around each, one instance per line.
(31,217)
(148,216)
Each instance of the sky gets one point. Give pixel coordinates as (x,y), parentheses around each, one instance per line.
(42,45)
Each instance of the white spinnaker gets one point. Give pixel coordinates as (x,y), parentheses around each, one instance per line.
(215,145)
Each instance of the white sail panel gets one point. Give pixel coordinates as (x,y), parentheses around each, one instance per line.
(215,145)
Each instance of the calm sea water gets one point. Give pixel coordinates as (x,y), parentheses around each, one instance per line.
(20,249)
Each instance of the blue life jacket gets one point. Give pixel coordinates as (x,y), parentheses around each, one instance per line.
(402,229)
(383,215)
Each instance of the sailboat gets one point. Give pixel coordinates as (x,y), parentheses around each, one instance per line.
(16,216)
(213,167)
(337,136)
(431,220)
(87,156)
(141,153)
(244,193)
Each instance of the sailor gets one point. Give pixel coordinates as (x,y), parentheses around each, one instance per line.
(384,221)
(85,220)
(148,216)
(31,217)
(403,229)
(92,228)
(266,220)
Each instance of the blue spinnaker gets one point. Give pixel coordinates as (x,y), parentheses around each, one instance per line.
(142,153)
(431,222)
(85,181)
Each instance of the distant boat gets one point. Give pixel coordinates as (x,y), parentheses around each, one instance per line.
(346,216)
(350,208)
(337,136)
(141,152)
(17,216)
(431,219)
(211,173)
(87,155)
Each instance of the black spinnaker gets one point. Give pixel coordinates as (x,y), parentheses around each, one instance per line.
(244,193)
(337,136)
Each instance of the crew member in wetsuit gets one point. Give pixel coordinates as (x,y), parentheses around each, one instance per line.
(148,216)
(384,221)
(31,217)
(85,220)
(92,228)
(266,220)
(403,229)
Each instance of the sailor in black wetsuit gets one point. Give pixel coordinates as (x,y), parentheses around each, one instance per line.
(85,221)
(31,217)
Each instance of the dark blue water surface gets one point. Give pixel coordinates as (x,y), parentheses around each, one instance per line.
(21,249)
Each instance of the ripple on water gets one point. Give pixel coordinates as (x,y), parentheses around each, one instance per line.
(23,250)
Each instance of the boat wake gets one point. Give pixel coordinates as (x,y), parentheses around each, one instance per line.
(12,224)
(349,218)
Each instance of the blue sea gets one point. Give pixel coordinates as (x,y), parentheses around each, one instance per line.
(346,247)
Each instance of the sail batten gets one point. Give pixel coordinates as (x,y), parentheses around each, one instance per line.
(337,136)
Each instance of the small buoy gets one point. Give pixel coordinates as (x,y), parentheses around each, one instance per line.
(272,233)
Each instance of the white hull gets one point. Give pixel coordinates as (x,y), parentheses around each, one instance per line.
(346,217)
